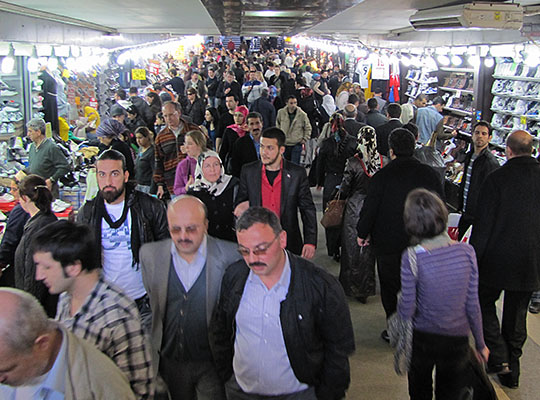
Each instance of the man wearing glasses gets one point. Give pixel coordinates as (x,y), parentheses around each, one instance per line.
(282,327)
(182,276)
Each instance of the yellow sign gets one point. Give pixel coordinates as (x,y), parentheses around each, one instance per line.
(138,74)
(66,74)
(523,120)
(497,15)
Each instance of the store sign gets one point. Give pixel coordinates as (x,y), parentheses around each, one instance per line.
(92,102)
(138,74)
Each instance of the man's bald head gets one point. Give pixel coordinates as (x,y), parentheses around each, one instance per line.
(519,143)
(22,320)
(188,224)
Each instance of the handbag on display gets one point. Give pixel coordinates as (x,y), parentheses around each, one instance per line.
(333,215)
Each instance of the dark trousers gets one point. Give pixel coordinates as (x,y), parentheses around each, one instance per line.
(293,153)
(191,380)
(143,304)
(449,356)
(389,270)
(505,341)
(235,392)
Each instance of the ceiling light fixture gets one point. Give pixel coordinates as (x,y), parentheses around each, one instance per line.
(456,60)
(489,61)
(443,60)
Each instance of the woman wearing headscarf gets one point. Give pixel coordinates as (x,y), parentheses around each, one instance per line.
(108,133)
(333,154)
(232,133)
(357,273)
(217,191)
(328,107)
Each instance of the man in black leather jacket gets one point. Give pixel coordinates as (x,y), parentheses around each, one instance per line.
(282,326)
(123,219)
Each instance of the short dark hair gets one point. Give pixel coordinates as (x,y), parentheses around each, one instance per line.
(484,123)
(402,142)
(232,95)
(291,96)
(411,128)
(121,93)
(372,103)
(133,90)
(394,110)
(353,98)
(275,133)
(114,155)
(254,114)
(425,215)
(68,242)
(258,215)
(438,100)
(35,188)
(172,71)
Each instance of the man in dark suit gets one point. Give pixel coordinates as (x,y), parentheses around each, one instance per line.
(247,148)
(351,125)
(283,187)
(182,277)
(374,118)
(505,236)
(381,218)
(382,132)
(226,119)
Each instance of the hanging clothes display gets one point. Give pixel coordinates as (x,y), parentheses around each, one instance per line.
(50,106)
(394,84)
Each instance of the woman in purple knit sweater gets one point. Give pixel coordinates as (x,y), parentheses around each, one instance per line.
(441,298)
(194,146)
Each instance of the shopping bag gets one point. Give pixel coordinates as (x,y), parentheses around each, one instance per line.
(92,187)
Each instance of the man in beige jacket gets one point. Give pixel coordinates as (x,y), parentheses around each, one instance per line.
(40,359)
(292,120)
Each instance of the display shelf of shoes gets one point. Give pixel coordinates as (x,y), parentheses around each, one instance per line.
(516,100)
(420,81)
(458,91)
(11,100)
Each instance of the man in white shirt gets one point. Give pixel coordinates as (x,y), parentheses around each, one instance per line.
(123,219)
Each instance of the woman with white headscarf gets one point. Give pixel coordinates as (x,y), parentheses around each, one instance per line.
(217,191)
(357,273)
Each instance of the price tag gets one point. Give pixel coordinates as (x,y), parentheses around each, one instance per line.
(92,102)
(523,120)
(497,15)
(66,74)
(138,74)
(458,93)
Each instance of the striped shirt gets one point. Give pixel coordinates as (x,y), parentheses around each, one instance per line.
(110,320)
(468,175)
(443,299)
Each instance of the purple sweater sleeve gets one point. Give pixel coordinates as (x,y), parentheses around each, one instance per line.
(443,298)
(184,170)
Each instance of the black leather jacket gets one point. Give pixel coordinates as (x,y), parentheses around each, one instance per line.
(315,320)
(148,212)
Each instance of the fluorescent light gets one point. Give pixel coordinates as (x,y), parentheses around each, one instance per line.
(443,60)
(457,60)
(274,14)
(8,63)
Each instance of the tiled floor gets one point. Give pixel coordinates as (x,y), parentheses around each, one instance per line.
(372,372)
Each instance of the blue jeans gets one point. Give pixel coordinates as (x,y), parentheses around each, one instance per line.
(293,153)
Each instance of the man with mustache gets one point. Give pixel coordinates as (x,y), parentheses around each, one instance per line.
(123,219)
(183,276)
(248,148)
(282,328)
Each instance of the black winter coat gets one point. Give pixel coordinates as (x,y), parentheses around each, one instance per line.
(295,196)
(147,212)
(382,213)
(315,321)
(506,231)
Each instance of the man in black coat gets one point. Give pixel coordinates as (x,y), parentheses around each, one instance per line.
(351,125)
(142,107)
(382,132)
(267,110)
(247,148)
(479,163)
(282,187)
(226,119)
(381,218)
(374,118)
(505,236)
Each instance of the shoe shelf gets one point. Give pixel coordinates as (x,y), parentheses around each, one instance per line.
(420,81)
(508,112)
(463,70)
(517,78)
(451,128)
(515,96)
(455,90)
(459,111)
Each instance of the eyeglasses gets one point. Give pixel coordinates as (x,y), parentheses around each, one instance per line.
(258,251)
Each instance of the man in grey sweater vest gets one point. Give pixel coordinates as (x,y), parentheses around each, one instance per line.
(182,277)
